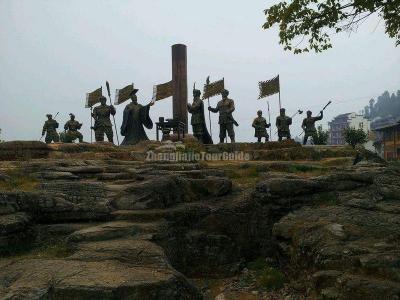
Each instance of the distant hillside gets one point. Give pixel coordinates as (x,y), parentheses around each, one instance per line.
(385,105)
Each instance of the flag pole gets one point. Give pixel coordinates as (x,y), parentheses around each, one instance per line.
(109,97)
(269,121)
(209,116)
(280,104)
(91,124)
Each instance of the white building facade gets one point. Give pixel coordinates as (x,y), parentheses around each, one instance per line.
(340,122)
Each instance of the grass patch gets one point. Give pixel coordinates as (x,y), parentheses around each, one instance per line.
(268,277)
(17,180)
(271,279)
(244,175)
(304,170)
(257,265)
(301,168)
(337,162)
(326,198)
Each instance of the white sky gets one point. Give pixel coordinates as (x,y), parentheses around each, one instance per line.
(53,52)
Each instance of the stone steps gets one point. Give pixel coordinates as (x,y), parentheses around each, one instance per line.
(177,213)
(116,229)
(79,279)
(130,251)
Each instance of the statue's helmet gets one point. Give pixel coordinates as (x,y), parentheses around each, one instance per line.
(134,91)
(72,116)
(282,110)
(309,113)
(225,93)
(102,100)
(49,115)
(133,94)
(196,93)
(259,112)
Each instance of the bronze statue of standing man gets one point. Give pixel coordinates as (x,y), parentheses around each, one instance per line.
(102,123)
(225,107)
(260,126)
(135,117)
(198,121)
(282,123)
(50,129)
(308,125)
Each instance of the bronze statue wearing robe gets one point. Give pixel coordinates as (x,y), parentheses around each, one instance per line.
(136,117)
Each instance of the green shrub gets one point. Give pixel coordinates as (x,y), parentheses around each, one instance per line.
(271,279)
(268,277)
(354,137)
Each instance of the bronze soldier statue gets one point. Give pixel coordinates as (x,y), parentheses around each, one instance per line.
(135,117)
(283,122)
(225,107)
(198,121)
(50,129)
(260,126)
(71,128)
(102,123)
(308,125)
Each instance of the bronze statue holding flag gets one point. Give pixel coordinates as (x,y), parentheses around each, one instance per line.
(225,107)
(102,123)
(91,99)
(198,121)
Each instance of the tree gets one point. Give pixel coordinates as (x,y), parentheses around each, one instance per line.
(355,137)
(386,105)
(314,20)
(321,137)
(366,112)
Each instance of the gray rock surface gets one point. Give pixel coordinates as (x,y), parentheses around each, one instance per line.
(130,229)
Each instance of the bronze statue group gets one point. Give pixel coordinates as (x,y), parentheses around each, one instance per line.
(136,117)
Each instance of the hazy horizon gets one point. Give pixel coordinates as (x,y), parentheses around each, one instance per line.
(53,52)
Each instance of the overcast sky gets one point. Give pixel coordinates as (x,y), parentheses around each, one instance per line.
(53,52)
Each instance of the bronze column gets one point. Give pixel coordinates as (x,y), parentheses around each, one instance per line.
(179,82)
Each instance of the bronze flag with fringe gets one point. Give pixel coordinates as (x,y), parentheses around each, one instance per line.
(162,91)
(213,89)
(93,97)
(121,95)
(269,87)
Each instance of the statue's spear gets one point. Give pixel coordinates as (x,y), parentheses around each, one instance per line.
(269,120)
(109,97)
(54,119)
(208,100)
(298,112)
(321,110)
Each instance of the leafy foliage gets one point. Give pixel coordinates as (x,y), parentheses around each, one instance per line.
(321,137)
(354,136)
(385,105)
(268,277)
(315,20)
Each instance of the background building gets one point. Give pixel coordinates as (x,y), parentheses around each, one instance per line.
(340,122)
(387,137)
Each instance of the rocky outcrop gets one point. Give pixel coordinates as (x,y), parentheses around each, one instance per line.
(130,229)
(348,237)
(23,150)
(77,279)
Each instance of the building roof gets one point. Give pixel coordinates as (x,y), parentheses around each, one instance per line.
(342,116)
(386,126)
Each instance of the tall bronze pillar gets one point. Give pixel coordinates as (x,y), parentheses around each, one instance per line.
(179,81)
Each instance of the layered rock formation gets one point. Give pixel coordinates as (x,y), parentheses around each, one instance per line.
(138,230)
